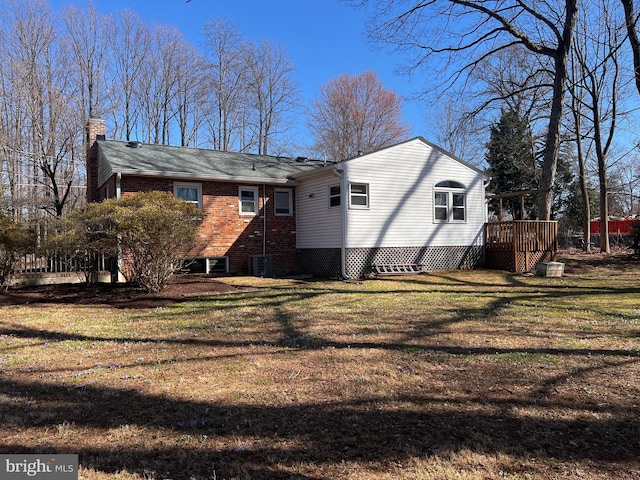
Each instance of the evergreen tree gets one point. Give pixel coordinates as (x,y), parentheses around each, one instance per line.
(511,160)
(565,180)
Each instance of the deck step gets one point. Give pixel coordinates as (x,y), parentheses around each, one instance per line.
(398,268)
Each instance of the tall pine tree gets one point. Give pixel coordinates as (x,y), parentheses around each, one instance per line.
(511,160)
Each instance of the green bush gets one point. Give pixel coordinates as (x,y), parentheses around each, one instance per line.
(156,232)
(83,236)
(15,240)
(152,232)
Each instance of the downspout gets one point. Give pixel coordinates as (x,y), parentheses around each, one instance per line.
(118,187)
(264,219)
(118,276)
(343,206)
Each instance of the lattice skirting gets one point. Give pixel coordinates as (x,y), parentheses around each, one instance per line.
(325,262)
(520,262)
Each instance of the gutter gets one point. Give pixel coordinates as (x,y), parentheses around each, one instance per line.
(192,177)
(343,205)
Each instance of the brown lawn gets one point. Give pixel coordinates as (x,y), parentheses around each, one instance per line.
(460,375)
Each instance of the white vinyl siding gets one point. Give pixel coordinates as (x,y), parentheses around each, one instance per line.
(318,225)
(401,181)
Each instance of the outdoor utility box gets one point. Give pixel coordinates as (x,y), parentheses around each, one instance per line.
(261,265)
(550,269)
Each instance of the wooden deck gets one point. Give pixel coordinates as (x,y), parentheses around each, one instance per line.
(518,245)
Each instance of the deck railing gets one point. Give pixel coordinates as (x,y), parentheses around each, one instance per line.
(517,245)
(57,262)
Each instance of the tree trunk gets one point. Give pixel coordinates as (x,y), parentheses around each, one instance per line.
(552,146)
(634,41)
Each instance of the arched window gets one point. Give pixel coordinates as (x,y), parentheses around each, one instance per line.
(449,202)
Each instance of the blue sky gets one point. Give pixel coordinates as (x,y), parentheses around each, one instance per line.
(324,38)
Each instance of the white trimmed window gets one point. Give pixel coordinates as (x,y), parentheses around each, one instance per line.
(283,202)
(189,192)
(248,198)
(449,202)
(358,195)
(334,196)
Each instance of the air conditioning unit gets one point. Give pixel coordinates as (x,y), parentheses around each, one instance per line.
(261,265)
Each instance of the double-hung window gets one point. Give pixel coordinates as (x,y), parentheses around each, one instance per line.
(283,202)
(189,192)
(248,198)
(359,195)
(449,202)
(334,196)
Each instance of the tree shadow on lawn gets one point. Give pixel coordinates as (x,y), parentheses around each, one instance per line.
(273,441)
(296,441)
(291,334)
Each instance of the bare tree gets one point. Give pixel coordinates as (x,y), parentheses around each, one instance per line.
(458,129)
(629,185)
(228,73)
(513,79)
(84,37)
(631,22)
(129,41)
(191,93)
(272,92)
(577,111)
(598,88)
(454,36)
(44,144)
(355,114)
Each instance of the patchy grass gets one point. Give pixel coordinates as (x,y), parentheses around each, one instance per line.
(466,375)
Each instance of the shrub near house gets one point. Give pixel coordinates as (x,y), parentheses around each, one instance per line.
(152,231)
(15,240)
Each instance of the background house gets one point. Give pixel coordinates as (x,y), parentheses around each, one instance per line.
(409,204)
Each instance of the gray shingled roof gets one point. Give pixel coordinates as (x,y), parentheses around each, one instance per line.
(195,163)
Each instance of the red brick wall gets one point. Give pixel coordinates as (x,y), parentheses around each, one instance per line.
(227,233)
(95,128)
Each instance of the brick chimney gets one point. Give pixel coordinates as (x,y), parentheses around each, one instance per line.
(96,130)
